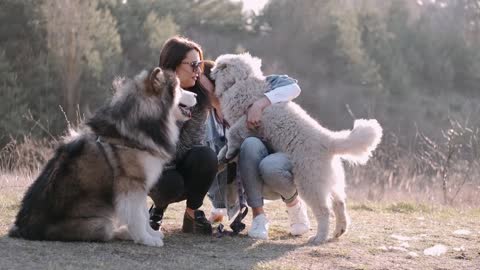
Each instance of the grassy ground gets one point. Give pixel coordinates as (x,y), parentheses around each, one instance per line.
(382,236)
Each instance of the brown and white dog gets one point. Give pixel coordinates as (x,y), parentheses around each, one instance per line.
(95,187)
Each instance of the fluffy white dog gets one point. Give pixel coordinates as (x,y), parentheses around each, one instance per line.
(315,151)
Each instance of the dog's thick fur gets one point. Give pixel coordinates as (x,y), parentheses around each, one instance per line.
(315,151)
(95,187)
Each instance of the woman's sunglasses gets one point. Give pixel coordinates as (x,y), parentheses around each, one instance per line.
(196,65)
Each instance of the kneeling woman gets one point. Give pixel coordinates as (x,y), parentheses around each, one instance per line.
(263,173)
(191,173)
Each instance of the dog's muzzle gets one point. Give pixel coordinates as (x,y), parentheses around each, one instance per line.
(187,101)
(186,111)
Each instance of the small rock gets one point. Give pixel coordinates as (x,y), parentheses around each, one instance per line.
(383,248)
(462,232)
(398,249)
(412,254)
(436,250)
(404,245)
(400,237)
(392,248)
(462,248)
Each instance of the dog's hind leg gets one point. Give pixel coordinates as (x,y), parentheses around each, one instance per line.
(338,199)
(122,233)
(130,211)
(340,210)
(81,229)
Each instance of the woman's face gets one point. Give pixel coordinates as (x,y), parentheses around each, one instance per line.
(188,70)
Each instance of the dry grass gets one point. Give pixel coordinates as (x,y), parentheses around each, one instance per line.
(397,213)
(370,244)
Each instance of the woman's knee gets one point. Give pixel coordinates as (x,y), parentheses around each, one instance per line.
(276,169)
(201,157)
(169,188)
(253,147)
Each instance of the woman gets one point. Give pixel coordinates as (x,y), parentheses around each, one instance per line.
(264,174)
(194,167)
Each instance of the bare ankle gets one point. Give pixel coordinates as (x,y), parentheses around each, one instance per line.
(190,212)
(292,203)
(257,211)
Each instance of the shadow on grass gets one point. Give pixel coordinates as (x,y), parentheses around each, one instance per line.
(238,252)
(181,251)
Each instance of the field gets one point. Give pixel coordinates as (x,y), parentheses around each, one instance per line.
(382,236)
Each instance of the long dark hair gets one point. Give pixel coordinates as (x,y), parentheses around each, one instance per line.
(207,68)
(208,65)
(174,51)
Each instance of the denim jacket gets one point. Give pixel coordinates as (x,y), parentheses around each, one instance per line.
(276,81)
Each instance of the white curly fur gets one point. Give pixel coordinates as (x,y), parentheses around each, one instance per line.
(315,151)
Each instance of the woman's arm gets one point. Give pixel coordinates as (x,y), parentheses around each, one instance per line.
(279,94)
(283,93)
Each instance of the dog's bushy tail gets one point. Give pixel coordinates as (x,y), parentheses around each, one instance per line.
(357,145)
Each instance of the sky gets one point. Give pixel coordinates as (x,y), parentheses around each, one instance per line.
(254,5)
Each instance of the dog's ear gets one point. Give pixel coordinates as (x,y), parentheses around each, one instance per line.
(170,81)
(117,84)
(254,63)
(152,85)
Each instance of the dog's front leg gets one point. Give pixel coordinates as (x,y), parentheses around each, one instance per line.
(235,136)
(130,211)
(151,231)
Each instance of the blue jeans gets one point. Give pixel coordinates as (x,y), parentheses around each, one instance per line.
(265,175)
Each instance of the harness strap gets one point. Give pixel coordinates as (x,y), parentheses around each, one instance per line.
(109,155)
(237,225)
(122,143)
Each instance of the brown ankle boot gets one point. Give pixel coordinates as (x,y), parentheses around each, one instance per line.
(197,225)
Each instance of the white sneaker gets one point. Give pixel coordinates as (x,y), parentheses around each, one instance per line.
(259,228)
(299,222)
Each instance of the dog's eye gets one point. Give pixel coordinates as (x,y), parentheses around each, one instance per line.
(221,66)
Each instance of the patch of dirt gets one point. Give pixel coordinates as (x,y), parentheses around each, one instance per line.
(382,236)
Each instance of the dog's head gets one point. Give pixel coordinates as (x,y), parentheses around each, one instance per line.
(231,68)
(166,83)
(144,110)
(163,88)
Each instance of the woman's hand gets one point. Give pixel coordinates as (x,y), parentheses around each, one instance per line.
(254,113)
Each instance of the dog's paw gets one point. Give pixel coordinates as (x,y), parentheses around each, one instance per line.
(158,234)
(340,229)
(317,240)
(154,233)
(122,233)
(231,153)
(339,232)
(222,155)
(151,241)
